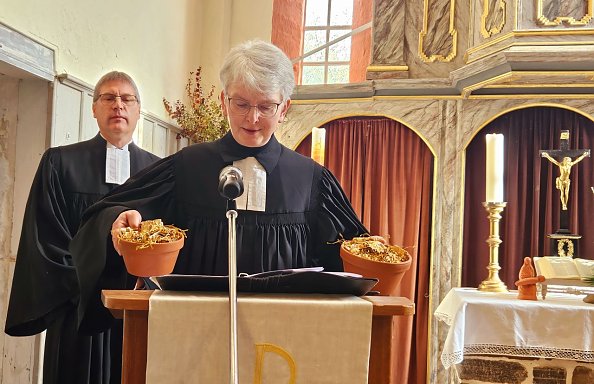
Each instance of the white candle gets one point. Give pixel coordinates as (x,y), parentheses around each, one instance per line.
(494,169)
(318,144)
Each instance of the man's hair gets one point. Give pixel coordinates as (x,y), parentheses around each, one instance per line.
(259,66)
(115,75)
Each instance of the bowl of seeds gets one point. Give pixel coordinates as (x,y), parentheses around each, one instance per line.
(371,256)
(151,249)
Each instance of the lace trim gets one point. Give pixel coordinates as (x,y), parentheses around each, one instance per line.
(446,318)
(505,350)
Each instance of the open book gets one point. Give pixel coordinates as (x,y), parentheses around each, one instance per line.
(564,268)
(299,280)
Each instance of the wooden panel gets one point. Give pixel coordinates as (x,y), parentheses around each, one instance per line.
(146,135)
(159,140)
(89,124)
(67,119)
(172,142)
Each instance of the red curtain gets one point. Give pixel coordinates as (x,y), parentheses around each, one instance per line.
(387,172)
(533,202)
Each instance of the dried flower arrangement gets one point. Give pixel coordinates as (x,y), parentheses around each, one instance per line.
(374,248)
(202,120)
(151,232)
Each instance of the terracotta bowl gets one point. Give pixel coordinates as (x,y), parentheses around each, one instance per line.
(152,261)
(389,274)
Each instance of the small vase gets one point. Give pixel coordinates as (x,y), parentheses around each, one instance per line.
(389,274)
(156,260)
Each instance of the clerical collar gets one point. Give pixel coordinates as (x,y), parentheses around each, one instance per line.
(117,163)
(110,145)
(267,155)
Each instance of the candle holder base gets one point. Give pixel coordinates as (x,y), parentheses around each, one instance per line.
(492,286)
(493,283)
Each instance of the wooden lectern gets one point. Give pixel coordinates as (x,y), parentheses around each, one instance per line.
(133,307)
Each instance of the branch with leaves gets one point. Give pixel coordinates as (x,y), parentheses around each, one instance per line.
(202,120)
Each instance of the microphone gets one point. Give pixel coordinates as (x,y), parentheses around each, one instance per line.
(230,182)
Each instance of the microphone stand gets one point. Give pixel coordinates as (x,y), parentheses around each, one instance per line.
(231,187)
(232,244)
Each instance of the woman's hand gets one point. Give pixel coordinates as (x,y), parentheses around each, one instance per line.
(130,219)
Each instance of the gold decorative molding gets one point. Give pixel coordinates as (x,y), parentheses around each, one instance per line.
(547,96)
(571,79)
(466,91)
(331,101)
(543,21)
(452,31)
(505,111)
(534,80)
(511,35)
(387,68)
(412,127)
(499,10)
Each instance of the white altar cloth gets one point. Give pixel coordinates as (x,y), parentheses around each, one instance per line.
(560,327)
(282,338)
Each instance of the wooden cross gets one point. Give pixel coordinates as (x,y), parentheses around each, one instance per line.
(564,158)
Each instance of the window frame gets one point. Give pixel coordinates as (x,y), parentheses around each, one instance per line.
(328,28)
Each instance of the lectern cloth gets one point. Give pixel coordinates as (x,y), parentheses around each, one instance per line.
(326,338)
(560,327)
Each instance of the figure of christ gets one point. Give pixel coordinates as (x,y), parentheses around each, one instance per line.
(562,181)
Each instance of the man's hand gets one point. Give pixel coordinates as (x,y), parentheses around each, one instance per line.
(130,219)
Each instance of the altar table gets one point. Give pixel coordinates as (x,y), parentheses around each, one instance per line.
(133,307)
(560,327)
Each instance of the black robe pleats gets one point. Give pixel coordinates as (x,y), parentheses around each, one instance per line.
(306,212)
(45,289)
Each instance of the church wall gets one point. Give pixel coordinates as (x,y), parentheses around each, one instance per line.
(91,38)
(7,149)
(157,42)
(22,140)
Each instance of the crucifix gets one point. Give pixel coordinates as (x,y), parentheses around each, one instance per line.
(565,159)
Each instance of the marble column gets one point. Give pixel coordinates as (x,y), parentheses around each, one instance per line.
(387,57)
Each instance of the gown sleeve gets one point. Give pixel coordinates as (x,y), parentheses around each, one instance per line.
(98,266)
(336,220)
(44,279)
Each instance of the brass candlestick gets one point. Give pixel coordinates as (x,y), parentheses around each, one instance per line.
(493,283)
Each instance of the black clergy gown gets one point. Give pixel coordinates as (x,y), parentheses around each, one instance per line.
(45,289)
(306,212)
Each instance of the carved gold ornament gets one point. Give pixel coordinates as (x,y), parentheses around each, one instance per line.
(561,248)
(544,21)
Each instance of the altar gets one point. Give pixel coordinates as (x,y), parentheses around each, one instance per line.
(540,334)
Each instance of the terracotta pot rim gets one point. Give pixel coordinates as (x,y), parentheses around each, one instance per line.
(175,242)
(362,260)
(389,274)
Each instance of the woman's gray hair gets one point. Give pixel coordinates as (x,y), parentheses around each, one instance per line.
(259,66)
(115,76)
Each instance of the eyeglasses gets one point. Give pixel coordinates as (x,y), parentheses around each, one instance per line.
(242,107)
(110,99)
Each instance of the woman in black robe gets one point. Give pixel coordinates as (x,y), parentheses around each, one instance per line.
(295,209)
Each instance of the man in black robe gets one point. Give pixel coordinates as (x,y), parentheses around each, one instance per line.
(45,289)
(291,213)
